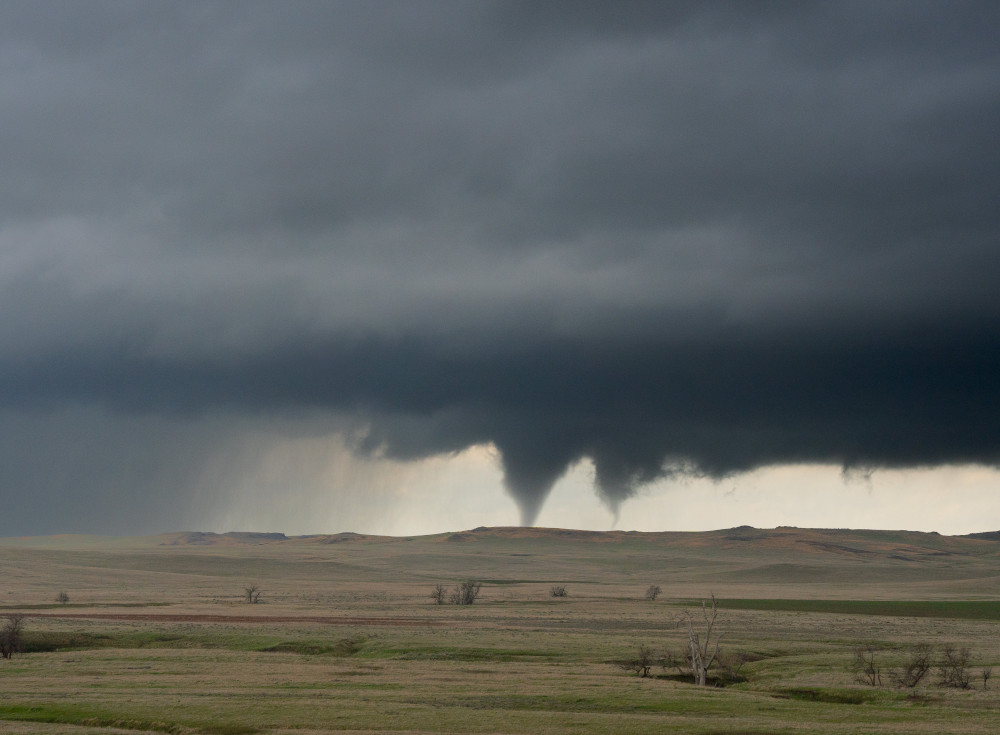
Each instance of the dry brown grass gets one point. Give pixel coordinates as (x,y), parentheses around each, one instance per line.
(345,637)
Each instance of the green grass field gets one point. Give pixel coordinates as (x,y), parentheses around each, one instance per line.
(345,638)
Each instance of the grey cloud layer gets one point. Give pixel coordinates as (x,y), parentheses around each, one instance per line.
(700,237)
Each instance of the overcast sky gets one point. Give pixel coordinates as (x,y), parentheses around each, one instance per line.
(407,266)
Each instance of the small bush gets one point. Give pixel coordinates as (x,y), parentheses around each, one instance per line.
(916,667)
(62,598)
(653,591)
(11,635)
(678,662)
(643,662)
(465,593)
(730,666)
(439,594)
(953,668)
(865,665)
(558,591)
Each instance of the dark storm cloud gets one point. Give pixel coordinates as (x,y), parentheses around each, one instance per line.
(692,237)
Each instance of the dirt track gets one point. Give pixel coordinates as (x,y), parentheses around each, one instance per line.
(261,619)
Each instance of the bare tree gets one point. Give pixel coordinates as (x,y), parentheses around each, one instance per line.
(62,598)
(11,634)
(987,674)
(702,652)
(653,591)
(465,593)
(439,593)
(865,665)
(915,668)
(953,668)
(558,591)
(644,661)
(252,593)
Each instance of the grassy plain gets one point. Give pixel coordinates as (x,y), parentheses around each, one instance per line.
(345,638)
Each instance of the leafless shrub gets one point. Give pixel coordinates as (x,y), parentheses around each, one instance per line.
(465,593)
(644,660)
(953,667)
(865,665)
(653,591)
(439,594)
(987,674)
(62,598)
(730,665)
(11,634)
(677,661)
(558,591)
(915,668)
(251,593)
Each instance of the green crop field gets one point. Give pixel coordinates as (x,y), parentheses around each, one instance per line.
(156,635)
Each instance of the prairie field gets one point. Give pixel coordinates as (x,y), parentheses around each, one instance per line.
(157,634)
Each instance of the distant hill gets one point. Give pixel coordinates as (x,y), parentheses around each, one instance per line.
(987,535)
(741,562)
(899,545)
(207,538)
(199,538)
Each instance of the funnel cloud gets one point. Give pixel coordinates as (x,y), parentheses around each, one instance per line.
(686,239)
